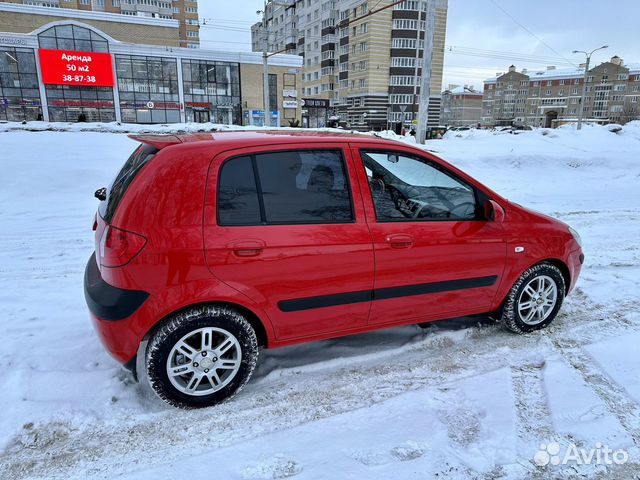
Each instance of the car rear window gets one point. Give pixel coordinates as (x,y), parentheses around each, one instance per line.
(115,192)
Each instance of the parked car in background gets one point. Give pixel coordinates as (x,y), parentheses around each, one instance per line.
(210,246)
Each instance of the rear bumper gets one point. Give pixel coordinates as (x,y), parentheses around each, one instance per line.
(110,308)
(107,302)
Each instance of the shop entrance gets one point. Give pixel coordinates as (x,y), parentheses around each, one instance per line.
(201,116)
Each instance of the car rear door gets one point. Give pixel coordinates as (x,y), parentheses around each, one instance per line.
(443,261)
(286,227)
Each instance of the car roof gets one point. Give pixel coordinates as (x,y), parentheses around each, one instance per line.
(240,138)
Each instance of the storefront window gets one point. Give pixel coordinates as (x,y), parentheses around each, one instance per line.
(273,91)
(69,103)
(212,91)
(19,94)
(72,37)
(148,89)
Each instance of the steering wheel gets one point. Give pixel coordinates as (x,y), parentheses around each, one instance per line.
(397,197)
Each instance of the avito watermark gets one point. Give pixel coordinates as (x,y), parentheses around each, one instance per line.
(552,454)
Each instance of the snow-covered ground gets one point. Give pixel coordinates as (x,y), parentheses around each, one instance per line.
(462,399)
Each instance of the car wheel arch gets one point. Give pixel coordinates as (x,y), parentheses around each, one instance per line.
(261,330)
(556,262)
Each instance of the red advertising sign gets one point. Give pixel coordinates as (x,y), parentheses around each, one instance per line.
(63,67)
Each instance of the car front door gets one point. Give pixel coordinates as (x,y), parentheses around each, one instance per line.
(436,256)
(285,227)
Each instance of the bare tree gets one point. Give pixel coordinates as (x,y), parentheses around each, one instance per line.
(629,113)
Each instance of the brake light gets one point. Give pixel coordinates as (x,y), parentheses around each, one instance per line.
(118,247)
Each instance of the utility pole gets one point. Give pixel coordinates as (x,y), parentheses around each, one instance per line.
(425,83)
(265,69)
(415,71)
(584,83)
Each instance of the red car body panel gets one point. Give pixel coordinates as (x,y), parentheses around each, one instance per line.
(188,259)
(294,261)
(436,251)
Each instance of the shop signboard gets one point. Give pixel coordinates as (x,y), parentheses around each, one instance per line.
(64,67)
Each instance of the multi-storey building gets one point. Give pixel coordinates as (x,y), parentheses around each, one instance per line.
(546,98)
(185,11)
(461,106)
(362,61)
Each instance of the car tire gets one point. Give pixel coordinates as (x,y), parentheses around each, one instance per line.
(534,300)
(201,356)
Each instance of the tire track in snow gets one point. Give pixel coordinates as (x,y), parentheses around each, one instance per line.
(532,407)
(286,398)
(618,402)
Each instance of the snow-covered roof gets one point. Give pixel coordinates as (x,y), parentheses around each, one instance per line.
(464,91)
(559,73)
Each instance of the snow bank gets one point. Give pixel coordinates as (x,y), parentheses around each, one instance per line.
(116,127)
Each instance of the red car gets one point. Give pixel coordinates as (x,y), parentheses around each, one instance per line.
(209,246)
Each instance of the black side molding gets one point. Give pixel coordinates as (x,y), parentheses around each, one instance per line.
(322,301)
(325,301)
(435,287)
(107,302)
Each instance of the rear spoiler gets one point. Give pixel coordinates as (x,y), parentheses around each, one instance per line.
(157,141)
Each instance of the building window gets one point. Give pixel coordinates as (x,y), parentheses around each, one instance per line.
(148,89)
(402,80)
(19,94)
(407,43)
(72,37)
(407,5)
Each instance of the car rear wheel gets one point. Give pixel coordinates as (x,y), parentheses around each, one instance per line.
(201,357)
(534,300)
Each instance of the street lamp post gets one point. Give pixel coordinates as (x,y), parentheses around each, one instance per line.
(265,68)
(584,84)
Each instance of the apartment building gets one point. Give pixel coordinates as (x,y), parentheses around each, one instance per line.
(184,11)
(550,97)
(461,106)
(362,62)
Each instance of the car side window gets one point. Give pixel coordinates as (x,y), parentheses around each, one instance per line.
(238,202)
(406,188)
(289,187)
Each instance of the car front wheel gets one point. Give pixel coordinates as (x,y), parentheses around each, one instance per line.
(201,357)
(534,300)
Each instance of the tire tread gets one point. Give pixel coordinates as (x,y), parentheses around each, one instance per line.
(179,320)
(509,318)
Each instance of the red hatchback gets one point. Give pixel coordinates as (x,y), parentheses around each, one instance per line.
(210,246)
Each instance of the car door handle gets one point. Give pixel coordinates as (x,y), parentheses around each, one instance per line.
(248,248)
(400,241)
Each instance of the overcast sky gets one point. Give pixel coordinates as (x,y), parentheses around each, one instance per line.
(530,34)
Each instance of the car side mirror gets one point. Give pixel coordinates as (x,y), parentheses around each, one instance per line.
(493,211)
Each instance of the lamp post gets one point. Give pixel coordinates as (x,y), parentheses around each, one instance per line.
(584,84)
(265,67)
